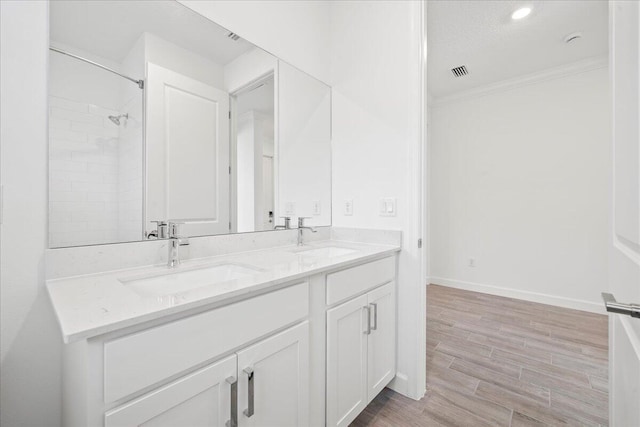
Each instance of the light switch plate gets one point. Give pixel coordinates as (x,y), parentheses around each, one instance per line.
(388,206)
(348,207)
(289,208)
(316,207)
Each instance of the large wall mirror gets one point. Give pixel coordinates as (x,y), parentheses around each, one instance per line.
(157,114)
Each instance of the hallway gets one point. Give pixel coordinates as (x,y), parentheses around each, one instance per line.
(501,361)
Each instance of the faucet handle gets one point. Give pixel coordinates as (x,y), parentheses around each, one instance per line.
(174,229)
(301,220)
(287,221)
(160,232)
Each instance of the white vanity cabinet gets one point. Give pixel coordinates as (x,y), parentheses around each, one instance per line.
(273,380)
(361,338)
(264,384)
(241,364)
(202,398)
(311,351)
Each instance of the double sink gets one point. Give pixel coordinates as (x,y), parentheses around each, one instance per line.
(182,280)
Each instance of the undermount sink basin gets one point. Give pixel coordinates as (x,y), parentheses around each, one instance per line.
(185,280)
(326,252)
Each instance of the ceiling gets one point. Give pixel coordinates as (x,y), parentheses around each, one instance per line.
(109,28)
(494,47)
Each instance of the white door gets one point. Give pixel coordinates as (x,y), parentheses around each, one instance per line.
(187,152)
(624,269)
(347,327)
(273,380)
(381,353)
(200,399)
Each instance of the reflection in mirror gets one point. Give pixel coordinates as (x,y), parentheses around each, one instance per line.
(254,155)
(219,135)
(305,133)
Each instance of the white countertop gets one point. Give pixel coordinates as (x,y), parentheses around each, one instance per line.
(95,304)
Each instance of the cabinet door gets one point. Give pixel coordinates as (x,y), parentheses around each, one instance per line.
(273,380)
(346,361)
(381,352)
(200,399)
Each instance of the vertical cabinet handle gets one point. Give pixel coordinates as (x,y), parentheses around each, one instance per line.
(233,421)
(375,316)
(250,377)
(368,310)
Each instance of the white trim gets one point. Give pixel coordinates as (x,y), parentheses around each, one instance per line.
(412,382)
(625,246)
(578,67)
(400,384)
(558,301)
(423,251)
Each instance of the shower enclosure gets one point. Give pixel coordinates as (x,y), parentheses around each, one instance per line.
(95,151)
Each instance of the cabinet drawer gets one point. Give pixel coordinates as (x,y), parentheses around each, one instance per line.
(136,361)
(352,281)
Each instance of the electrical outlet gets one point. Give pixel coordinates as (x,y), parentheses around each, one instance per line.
(289,208)
(472,262)
(348,207)
(316,207)
(387,206)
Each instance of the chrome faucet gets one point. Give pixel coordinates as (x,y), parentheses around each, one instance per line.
(287,224)
(301,227)
(175,241)
(160,232)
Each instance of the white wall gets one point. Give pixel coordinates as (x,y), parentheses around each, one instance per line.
(30,341)
(183,61)
(295,31)
(248,67)
(77,80)
(376,116)
(303,158)
(519,183)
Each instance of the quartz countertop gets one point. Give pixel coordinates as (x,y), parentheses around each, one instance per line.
(94,304)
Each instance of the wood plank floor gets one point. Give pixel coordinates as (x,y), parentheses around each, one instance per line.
(505,362)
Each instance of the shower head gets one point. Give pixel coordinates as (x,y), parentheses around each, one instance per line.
(116,119)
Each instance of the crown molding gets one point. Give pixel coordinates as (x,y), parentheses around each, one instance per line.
(573,68)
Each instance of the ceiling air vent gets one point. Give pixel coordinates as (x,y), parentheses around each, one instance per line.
(233,36)
(460,71)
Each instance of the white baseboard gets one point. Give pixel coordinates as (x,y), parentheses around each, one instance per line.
(400,384)
(575,304)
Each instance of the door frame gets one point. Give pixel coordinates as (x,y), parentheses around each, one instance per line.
(411,339)
(233,143)
(624,257)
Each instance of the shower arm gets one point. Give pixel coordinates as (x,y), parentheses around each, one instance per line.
(140,83)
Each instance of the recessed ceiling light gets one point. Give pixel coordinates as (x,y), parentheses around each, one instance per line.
(521,13)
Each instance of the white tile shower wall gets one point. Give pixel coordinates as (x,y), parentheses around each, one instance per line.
(83,168)
(130,171)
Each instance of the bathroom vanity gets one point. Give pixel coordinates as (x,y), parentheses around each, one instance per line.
(283,336)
